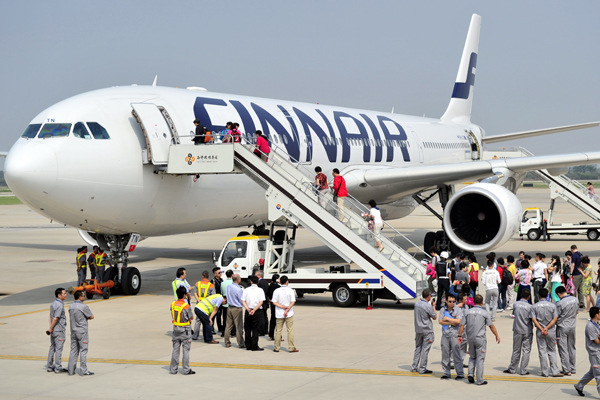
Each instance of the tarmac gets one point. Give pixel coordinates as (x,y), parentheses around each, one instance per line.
(348,353)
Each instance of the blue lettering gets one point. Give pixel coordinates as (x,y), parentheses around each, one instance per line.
(346,136)
(309,149)
(201,114)
(462,89)
(247,121)
(266,119)
(376,137)
(328,141)
(400,138)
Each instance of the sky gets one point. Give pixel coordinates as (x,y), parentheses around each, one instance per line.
(538,64)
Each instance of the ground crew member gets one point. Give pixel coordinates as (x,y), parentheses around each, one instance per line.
(567,309)
(182,334)
(57,332)
(79,315)
(81,265)
(522,335)
(101,260)
(592,345)
(234,312)
(424,336)
(475,321)
(449,318)
(92,262)
(181,281)
(205,310)
(204,288)
(217,281)
(544,317)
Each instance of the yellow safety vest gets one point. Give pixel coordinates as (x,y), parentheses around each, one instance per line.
(206,304)
(203,287)
(177,308)
(100,259)
(175,285)
(81,264)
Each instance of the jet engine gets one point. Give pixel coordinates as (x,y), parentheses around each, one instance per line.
(482,216)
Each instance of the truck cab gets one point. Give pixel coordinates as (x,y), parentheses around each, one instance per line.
(532,223)
(242,254)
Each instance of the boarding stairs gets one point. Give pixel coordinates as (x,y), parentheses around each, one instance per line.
(561,186)
(291,196)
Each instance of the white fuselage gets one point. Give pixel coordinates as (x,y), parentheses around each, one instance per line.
(106,186)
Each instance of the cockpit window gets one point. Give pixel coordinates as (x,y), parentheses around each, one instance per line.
(98,130)
(31,131)
(80,131)
(54,130)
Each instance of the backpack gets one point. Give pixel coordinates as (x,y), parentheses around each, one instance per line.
(440,269)
(507,277)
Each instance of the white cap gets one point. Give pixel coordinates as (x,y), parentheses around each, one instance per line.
(444,254)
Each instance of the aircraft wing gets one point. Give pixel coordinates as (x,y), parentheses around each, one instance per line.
(390,184)
(525,134)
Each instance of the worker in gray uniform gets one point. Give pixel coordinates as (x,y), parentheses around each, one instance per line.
(57,332)
(567,308)
(449,318)
(544,317)
(79,314)
(424,337)
(474,321)
(182,334)
(522,335)
(592,345)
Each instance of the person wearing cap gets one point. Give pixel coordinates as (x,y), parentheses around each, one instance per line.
(443,277)
(200,134)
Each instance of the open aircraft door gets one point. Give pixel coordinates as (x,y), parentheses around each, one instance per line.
(159,131)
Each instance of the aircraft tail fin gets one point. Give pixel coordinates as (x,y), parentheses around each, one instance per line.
(459,109)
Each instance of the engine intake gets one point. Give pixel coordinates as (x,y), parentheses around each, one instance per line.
(482,216)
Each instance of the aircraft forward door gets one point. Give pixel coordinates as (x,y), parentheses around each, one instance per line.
(159,131)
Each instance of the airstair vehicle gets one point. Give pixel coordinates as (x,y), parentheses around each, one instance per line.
(292,199)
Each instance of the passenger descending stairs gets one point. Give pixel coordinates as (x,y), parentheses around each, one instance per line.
(290,195)
(561,186)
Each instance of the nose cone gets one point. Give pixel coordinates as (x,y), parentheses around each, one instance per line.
(31,171)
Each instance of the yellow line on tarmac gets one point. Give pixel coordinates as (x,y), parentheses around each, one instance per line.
(87,302)
(291,368)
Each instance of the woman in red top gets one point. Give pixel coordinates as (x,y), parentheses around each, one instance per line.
(339,190)
(262,146)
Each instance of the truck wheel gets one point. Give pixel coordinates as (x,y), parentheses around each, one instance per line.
(105,293)
(533,234)
(131,281)
(343,296)
(89,295)
(592,234)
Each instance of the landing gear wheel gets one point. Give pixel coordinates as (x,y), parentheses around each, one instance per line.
(105,293)
(343,296)
(533,234)
(111,274)
(429,241)
(592,234)
(89,295)
(131,281)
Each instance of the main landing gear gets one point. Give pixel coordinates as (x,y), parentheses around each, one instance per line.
(127,279)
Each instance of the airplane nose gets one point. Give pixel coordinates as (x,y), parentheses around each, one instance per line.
(30,171)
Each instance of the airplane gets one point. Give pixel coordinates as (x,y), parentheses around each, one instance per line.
(96,162)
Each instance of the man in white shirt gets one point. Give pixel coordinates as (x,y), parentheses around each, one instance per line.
(539,275)
(491,279)
(252,300)
(284,300)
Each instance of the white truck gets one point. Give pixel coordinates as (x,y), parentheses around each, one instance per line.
(274,254)
(532,225)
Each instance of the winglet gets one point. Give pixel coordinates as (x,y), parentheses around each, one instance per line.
(459,109)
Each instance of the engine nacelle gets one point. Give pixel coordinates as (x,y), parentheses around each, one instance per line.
(482,216)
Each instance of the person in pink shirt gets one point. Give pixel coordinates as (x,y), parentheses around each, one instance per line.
(262,146)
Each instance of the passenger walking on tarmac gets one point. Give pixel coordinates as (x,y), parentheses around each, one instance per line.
(544,317)
(204,288)
(586,287)
(272,287)
(577,273)
(205,310)
(81,265)
(284,299)
(322,186)
(252,299)
(101,261)
(234,313)
(592,345)
(443,278)
(57,332)
(92,262)
(262,146)
(339,191)
(264,285)
(510,290)
(502,286)
(567,308)
(473,272)
(540,275)
(79,314)
(523,276)
(217,281)
(522,336)
(181,316)
(555,277)
(180,281)
(475,321)
(449,318)
(424,336)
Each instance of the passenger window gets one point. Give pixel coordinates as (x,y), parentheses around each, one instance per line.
(31,131)
(54,130)
(80,131)
(98,130)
